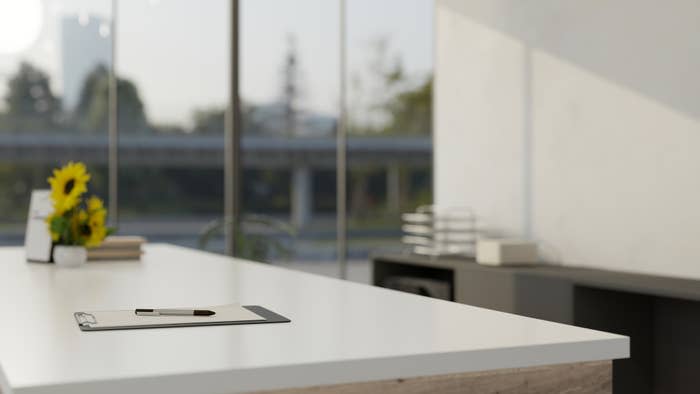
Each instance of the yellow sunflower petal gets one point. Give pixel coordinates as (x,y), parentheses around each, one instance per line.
(94,204)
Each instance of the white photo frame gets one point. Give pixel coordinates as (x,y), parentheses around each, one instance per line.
(37,239)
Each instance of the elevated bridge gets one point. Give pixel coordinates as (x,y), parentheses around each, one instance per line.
(300,155)
(207,150)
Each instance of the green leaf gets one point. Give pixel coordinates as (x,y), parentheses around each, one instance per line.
(59,224)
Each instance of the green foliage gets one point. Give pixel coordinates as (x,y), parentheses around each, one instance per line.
(31,105)
(196,191)
(397,104)
(209,121)
(260,248)
(93,105)
(262,245)
(410,111)
(92,112)
(16,183)
(388,101)
(131,111)
(61,225)
(212,120)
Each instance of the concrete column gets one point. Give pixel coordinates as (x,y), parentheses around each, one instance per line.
(393,188)
(302,196)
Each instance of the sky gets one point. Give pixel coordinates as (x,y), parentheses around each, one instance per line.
(176,51)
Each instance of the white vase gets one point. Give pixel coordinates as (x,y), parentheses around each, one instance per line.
(69,256)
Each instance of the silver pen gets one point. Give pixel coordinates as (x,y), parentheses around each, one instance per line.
(174,312)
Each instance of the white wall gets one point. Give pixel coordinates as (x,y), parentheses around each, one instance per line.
(575,123)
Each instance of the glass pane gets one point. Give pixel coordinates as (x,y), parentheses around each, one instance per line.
(389,81)
(49,111)
(172,62)
(289,88)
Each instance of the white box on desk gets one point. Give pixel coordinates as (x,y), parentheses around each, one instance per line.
(506,252)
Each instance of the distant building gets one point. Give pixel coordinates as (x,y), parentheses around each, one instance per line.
(85,43)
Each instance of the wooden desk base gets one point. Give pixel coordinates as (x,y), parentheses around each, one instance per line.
(578,378)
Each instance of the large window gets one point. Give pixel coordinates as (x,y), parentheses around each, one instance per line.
(289,88)
(172,64)
(389,79)
(52,109)
(173,68)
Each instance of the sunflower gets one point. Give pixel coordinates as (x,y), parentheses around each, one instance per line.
(67,185)
(89,229)
(98,231)
(96,212)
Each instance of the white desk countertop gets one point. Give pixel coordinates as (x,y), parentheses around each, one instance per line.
(340,331)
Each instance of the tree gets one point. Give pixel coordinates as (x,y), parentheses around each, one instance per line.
(290,87)
(385,101)
(410,111)
(212,120)
(209,121)
(388,101)
(92,111)
(31,105)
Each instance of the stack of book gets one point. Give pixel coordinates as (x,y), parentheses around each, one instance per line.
(117,247)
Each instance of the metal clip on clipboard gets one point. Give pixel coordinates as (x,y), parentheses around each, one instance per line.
(85,319)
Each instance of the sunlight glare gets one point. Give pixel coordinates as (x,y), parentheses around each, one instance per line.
(20,24)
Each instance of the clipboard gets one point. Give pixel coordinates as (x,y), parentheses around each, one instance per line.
(231,314)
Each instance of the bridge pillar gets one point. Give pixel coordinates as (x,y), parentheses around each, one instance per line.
(393,187)
(302,196)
